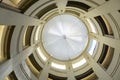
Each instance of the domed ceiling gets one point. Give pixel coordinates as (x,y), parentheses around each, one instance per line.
(59,39)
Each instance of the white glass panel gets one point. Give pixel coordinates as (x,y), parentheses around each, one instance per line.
(41,54)
(58,66)
(92,25)
(64,37)
(80,63)
(92,46)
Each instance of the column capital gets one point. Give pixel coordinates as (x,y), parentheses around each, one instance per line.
(70,73)
(45,72)
(61,4)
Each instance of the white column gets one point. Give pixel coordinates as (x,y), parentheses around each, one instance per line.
(18,70)
(44,73)
(113,24)
(35,8)
(108,40)
(70,73)
(8,17)
(61,4)
(70,76)
(100,72)
(109,6)
(7,67)
(15,40)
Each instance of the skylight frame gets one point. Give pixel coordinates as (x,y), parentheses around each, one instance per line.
(92,25)
(37,33)
(40,53)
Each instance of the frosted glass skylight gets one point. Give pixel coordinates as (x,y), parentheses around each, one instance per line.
(79,63)
(58,66)
(64,37)
(41,54)
(92,46)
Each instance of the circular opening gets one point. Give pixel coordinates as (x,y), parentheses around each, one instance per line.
(64,37)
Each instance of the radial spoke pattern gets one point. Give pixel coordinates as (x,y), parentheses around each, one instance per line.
(64,37)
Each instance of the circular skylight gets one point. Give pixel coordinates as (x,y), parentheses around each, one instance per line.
(64,37)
